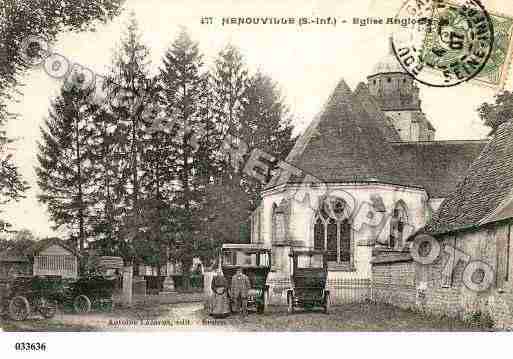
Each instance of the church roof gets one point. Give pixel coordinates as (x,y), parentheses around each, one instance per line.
(484,192)
(351,140)
(438,166)
(347,143)
(372,109)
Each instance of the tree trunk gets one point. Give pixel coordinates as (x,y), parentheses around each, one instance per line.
(80,190)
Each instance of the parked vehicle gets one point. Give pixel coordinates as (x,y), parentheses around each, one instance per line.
(25,295)
(255,262)
(90,292)
(308,277)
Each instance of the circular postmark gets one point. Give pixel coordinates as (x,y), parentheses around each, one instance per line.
(444,43)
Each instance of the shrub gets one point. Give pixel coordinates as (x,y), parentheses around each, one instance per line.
(478,319)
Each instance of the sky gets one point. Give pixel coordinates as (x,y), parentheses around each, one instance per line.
(307,62)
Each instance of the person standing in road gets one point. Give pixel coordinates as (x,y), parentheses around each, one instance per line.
(239,291)
(219,302)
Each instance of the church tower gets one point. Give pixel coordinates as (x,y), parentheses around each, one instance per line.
(398,97)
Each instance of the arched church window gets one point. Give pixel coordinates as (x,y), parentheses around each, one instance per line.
(397,225)
(331,238)
(345,241)
(279,227)
(319,234)
(332,230)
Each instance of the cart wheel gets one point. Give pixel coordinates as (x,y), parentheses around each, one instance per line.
(82,304)
(327,303)
(19,308)
(47,307)
(290,303)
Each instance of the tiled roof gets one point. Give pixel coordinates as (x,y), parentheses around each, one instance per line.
(352,140)
(438,166)
(346,143)
(487,185)
(41,245)
(372,108)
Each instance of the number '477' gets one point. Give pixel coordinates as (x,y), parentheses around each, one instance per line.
(207,20)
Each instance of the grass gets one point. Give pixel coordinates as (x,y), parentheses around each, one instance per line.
(42,325)
(368,317)
(350,317)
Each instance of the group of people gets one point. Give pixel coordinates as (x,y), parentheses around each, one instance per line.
(238,292)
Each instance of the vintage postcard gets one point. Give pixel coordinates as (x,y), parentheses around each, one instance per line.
(238,166)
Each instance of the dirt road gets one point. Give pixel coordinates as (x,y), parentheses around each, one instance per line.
(182,317)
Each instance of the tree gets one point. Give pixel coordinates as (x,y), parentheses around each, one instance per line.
(12,186)
(494,115)
(108,208)
(186,97)
(250,108)
(65,171)
(21,244)
(23,18)
(18,20)
(230,81)
(266,125)
(131,87)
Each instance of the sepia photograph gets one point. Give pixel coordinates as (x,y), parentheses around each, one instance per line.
(205,169)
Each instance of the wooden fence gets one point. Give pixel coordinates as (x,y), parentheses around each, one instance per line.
(65,266)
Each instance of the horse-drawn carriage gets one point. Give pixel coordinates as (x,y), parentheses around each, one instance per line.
(23,296)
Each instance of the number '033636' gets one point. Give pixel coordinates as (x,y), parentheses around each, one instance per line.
(30,346)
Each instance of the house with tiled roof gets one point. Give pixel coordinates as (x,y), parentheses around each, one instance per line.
(379,176)
(472,233)
(476,220)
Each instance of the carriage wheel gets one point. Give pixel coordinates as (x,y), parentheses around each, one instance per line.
(19,308)
(82,304)
(47,307)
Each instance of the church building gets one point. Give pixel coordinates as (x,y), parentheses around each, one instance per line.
(374,151)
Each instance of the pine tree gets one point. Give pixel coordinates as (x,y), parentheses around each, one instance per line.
(266,125)
(230,80)
(227,198)
(64,171)
(18,20)
(130,86)
(251,109)
(186,100)
(108,207)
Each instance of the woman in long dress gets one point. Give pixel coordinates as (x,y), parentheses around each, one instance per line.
(219,301)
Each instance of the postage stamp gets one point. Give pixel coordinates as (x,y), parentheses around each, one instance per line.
(448,43)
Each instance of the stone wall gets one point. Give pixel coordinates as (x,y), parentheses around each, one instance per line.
(407,284)
(393,280)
